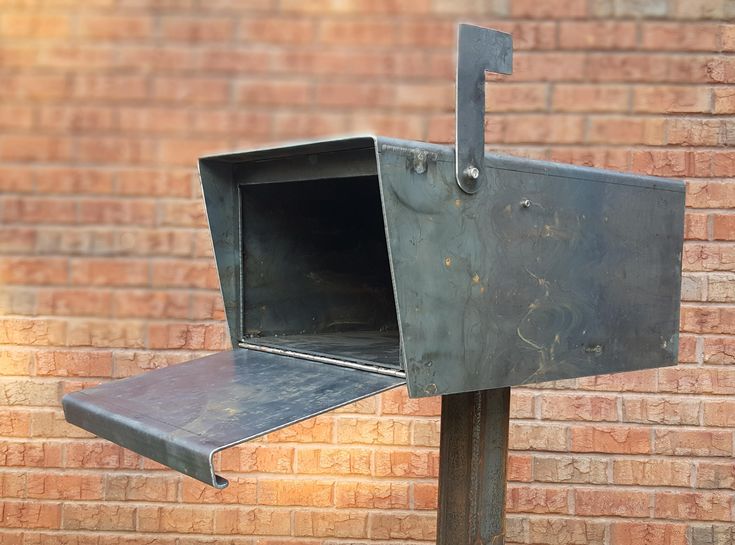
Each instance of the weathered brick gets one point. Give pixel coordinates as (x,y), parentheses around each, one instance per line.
(652,472)
(599,503)
(643,533)
(570,470)
(380,495)
(611,440)
(694,505)
(330,524)
(521,499)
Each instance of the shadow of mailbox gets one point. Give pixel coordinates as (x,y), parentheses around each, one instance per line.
(355,265)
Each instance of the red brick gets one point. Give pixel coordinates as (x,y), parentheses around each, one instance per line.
(140,488)
(397,402)
(395,526)
(695,506)
(405,464)
(116,28)
(537,437)
(186,336)
(549,10)
(38,210)
(251,521)
(671,99)
(192,30)
(425,495)
(36,332)
(330,524)
(693,443)
(65,486)
(296,492)
(708,319)
(180,519)
(719,414)
(652,472)
(724,101)
(190,90)
(34,25)
(602,503)
(719,351)
(566,469)
(98,517)
(278,30)
(679,36)
(330,461)
(723,226)
(611,440)
(74,181)
(537,500)
(353,32)
(67,302)
(658,410)
(15,362)
(567,531)
(240,491)
(620,130)
(145,304)
(101,150)
(697,381)
(105,334)
(597,35)
(590,98)
(27,515)
(34,271)
(30,454)
(644,533)
(716,475)
(585,408)
(109,272)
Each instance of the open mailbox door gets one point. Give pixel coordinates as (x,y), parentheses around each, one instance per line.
(355,265)
(182,415)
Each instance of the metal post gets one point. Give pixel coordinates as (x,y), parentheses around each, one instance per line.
(472,468)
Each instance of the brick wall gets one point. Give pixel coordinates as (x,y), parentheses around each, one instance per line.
(106,269)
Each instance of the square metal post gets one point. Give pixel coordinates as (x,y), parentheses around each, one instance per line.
(472,468)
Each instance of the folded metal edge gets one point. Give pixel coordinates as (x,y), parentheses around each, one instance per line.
(142,434)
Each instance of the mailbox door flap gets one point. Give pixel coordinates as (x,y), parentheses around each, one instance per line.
(182,415)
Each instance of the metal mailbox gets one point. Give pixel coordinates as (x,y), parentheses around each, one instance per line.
(355,265)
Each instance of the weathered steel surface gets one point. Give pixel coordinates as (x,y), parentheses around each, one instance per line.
(479,50)
(550,272)
(182,415)
(377,348)
(472,467)
(223,175)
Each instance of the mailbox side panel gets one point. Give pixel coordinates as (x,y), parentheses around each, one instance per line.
(548,272)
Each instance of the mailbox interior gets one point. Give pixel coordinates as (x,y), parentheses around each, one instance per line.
(304,265)
(316,274)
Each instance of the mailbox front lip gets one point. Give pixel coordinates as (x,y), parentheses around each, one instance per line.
(182,415)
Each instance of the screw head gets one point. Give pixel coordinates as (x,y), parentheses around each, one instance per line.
(525,203)
(472,172)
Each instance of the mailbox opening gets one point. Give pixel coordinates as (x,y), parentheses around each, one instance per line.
(316,277)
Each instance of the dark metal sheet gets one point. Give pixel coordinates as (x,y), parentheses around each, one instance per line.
(364,347)
(182,415)
(549,272)
(479,50)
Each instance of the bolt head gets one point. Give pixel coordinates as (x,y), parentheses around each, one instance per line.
(472,172)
